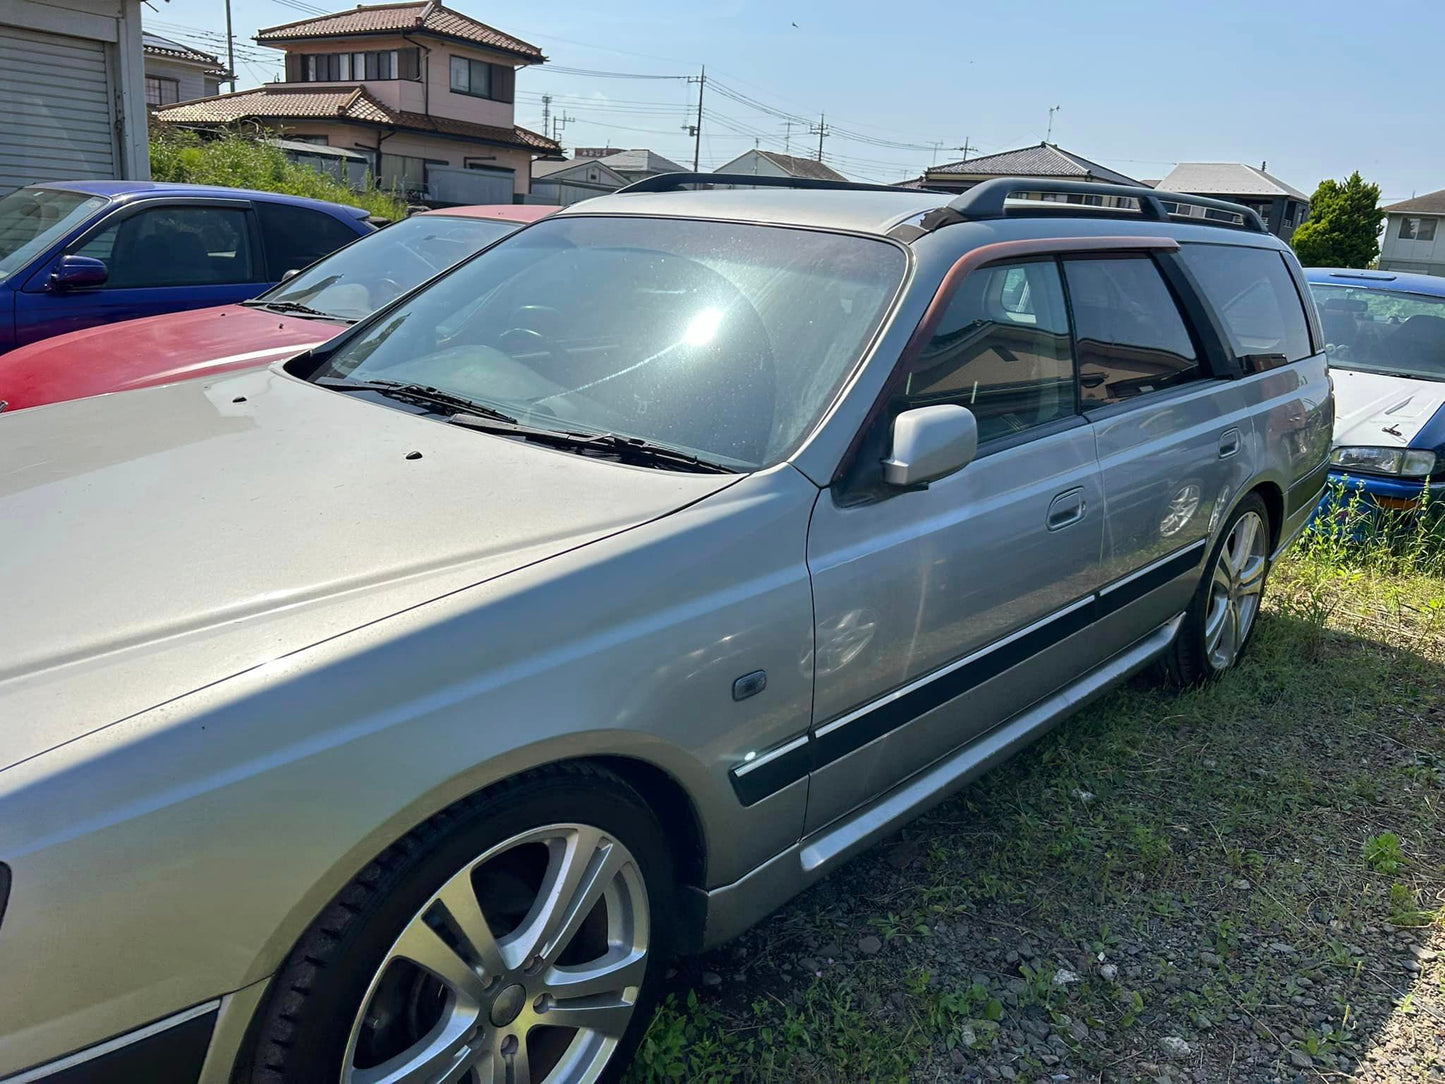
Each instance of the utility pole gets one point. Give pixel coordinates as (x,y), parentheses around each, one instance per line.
(1052,111)
(820,131)
(546,113)
(560,121)
(788,138)
(695,130)
(230,48)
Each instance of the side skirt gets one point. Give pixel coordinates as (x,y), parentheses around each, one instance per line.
(732,908)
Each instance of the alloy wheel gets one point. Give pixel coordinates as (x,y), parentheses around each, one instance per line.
(1235,588)
(524,968)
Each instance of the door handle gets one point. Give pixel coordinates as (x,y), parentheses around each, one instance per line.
(1066,508)
(1228,443)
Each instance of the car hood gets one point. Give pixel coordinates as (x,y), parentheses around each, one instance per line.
(154,350)
(161,540)
(1379,410)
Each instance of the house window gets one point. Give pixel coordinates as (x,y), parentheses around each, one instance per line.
(161,91)
(481,80)
(353,67)
(1411,229)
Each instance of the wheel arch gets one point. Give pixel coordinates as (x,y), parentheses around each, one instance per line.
(1273,497)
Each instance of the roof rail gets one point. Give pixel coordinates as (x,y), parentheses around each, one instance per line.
(990,200)
(672,182)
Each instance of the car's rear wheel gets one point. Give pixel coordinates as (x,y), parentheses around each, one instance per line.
(517,938)
(1220,621)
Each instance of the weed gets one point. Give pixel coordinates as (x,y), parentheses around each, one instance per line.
(1383,853)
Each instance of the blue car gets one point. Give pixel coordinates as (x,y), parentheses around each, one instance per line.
(1385,339)
(78,253)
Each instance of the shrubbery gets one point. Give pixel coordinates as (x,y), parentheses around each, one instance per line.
(237,160)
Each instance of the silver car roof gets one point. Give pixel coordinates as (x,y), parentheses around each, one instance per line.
(839,209)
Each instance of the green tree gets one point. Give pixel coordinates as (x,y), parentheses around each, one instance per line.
(1342,229)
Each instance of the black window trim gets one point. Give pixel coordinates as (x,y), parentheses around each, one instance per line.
(125,210)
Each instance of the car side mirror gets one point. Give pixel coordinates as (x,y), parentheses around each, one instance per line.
(78,272)
(930,443)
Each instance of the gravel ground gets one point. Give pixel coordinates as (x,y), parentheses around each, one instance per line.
(1237,883)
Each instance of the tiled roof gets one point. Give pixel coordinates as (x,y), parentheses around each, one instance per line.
(1432,203)
(802,167)
(1043,160)
(641,160)
(283,103)
(396,18)
(157,46)
(1226,179)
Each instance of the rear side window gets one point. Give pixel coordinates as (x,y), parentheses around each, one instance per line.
(1131,337)
(1002,350)
(296,237)
(1255,296)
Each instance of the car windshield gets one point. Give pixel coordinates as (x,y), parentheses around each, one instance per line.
(378,269)
(1386,331)
(33,219)
(722,340)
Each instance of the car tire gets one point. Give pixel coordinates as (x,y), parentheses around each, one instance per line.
(528,925)
(1223,614)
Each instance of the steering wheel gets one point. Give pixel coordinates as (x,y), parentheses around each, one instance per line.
(526,340)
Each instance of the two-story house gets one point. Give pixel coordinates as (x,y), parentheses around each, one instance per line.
(1414,238)
(1282,207)
(424,92)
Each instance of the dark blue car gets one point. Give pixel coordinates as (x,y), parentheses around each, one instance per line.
(1385,338)
(78,253)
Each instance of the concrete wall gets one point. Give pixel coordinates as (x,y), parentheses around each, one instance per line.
(1427,257)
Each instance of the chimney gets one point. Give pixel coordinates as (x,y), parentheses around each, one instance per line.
(1264,166)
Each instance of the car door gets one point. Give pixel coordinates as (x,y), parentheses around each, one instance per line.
(161,256)
(1173,434)
(941,611)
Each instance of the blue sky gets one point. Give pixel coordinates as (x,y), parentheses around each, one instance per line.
(1316,89)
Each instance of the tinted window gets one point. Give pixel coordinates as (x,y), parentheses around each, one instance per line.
(1002,350)
(725,340)
(176,246)
(296,237)
(1255,296)
(1131,338)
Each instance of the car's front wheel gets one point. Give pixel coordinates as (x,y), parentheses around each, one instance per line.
(518,937)
(1220,620)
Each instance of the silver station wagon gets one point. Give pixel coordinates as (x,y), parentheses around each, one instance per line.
(391,714)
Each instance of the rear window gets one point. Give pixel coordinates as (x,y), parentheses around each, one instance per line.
(1254,294)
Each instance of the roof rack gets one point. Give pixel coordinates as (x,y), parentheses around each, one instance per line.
(991,200)
(672,182)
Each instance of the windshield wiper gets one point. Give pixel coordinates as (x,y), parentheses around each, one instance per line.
(294,306)
(436,400)
(628,449)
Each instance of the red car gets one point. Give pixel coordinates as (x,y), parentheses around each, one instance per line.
(303,311)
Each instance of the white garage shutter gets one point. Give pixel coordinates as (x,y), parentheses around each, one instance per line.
(56,113)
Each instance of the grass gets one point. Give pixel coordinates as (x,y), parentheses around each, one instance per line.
(1248,868)
(240,160)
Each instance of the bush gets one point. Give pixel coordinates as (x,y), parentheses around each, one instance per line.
(238,160)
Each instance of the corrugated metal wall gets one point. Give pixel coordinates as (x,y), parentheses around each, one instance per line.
(57,121)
